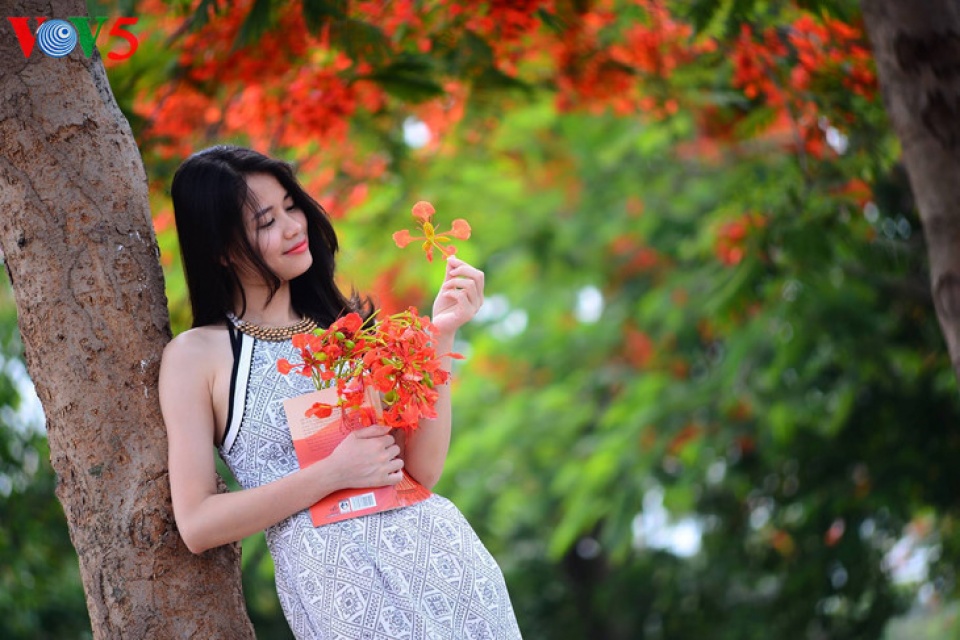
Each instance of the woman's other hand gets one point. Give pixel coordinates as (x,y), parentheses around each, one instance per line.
(368,457)
(459,298)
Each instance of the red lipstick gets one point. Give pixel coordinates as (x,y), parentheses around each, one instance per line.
(298,248)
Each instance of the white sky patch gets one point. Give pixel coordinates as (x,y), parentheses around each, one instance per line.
(589,304)
(837,140)
(716,471)
(493,308)
(653,528)
(505,321)
(909,559)
(513,324)
(29,415)
(416,133)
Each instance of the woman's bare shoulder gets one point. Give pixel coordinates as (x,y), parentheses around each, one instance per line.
(198,346)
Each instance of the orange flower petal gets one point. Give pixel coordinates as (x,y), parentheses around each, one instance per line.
(423,210)
(319,410)
(461,229)
(402,238)
(351,322)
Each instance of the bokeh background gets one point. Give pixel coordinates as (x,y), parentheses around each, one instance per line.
(706,397)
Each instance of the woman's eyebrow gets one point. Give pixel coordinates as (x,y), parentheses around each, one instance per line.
(262,212)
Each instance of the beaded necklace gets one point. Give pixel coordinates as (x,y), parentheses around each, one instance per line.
(272,334)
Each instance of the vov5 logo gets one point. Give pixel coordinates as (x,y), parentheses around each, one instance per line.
(57,38)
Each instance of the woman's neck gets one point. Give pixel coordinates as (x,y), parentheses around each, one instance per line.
(277,312)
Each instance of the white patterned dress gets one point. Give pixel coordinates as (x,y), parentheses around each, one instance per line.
(417,572)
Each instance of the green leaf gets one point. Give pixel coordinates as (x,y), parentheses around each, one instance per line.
(734,285)
(492,79)
(553,21)
(361,40)
(201,15)
(756,120)
(407,79)
(472,55)
(845,10)
(701,12)
(316,13)
(257,22)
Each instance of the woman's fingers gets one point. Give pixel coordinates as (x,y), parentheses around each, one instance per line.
(462,269)
(373,431)
(471,285)
(460,295)
(455,293)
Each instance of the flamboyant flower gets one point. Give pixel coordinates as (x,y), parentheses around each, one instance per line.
(320,410)
(422,212)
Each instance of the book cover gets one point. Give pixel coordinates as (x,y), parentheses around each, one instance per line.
(316,438)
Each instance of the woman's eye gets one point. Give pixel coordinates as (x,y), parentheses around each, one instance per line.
(266,224)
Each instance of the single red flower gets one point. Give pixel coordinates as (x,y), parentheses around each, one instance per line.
(319,410)
(350,323)
(422,212)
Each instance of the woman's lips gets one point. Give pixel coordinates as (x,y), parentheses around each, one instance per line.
(298,248)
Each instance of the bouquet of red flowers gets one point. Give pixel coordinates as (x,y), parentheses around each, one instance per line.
(394,355)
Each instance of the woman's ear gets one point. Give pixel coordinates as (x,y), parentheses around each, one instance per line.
(232,257)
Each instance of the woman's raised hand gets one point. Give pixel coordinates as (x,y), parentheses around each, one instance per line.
(459,298)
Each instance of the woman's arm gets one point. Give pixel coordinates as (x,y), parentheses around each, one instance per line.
(460,296)
(207,519)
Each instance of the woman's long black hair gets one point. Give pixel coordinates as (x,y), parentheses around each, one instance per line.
(209,194)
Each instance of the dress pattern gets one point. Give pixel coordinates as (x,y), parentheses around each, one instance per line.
(417,573)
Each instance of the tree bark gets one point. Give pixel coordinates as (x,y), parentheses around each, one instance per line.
(79,247)
(917,50)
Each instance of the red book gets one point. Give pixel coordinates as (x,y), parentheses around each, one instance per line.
(316,438)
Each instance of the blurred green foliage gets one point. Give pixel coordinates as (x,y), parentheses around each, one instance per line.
(40,592)
(798,405)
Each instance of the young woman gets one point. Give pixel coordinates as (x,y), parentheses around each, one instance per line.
(258,254)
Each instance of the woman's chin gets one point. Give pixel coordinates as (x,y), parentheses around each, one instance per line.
(303,265)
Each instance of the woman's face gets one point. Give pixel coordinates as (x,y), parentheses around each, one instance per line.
(276,228)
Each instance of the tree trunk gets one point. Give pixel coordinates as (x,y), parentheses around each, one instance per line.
(80,250)
(917,50)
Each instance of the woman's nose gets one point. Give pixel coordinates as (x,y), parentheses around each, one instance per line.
(292,225)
